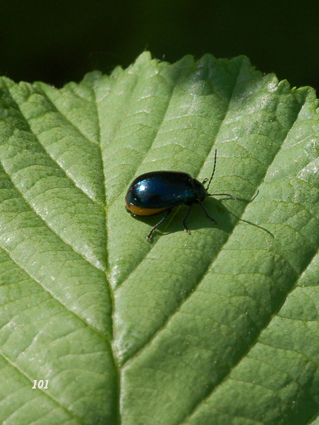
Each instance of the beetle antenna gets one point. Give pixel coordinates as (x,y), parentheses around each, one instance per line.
(215,160)
(216,194)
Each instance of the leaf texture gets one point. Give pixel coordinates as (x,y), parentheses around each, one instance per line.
(215,327)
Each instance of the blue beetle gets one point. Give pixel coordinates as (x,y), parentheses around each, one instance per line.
(158,191)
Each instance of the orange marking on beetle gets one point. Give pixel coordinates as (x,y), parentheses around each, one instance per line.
(143,211)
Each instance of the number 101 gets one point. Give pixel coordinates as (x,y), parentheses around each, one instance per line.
(40,385)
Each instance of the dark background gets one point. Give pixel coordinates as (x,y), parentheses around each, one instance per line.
(57,41)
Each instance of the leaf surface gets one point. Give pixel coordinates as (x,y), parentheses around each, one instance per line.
(219,326)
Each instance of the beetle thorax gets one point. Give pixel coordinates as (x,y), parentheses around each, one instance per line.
(200,190)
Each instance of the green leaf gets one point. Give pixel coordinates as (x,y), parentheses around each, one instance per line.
(220,326)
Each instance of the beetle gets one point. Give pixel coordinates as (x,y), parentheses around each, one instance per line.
(159,191)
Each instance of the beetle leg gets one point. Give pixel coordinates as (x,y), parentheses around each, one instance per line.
(207,215)
(156,225)
(186,217)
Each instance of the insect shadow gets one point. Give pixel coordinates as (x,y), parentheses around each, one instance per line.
(197,220)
